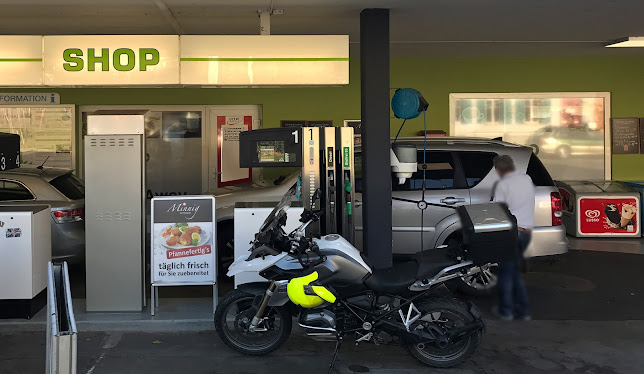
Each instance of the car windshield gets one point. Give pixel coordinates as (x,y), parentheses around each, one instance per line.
(282,206)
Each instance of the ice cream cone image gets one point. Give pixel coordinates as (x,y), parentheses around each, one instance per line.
(628,212)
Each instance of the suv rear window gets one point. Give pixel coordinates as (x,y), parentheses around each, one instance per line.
(538,172)
(476,166)
(70,186)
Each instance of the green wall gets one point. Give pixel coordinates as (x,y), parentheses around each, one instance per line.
(436,78)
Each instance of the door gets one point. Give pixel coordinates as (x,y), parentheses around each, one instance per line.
(414,228)
(224,125)
(173,146)
(445,184)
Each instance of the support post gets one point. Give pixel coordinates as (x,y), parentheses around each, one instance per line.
(374,84)
(264,21)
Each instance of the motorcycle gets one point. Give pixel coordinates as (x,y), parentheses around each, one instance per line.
(334,293)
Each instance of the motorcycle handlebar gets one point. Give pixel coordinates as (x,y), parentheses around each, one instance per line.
(303,245)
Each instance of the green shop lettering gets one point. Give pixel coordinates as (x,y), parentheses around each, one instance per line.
(122,59)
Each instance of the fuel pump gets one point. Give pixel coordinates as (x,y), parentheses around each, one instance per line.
(325,157)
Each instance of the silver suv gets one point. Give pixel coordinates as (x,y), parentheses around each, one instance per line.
(460,171)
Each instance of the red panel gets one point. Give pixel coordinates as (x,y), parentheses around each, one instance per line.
(609,216)
(221,121)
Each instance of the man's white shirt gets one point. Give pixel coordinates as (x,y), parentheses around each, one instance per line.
(518,192)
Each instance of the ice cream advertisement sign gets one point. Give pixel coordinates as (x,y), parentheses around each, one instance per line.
(182,240)
(610,216)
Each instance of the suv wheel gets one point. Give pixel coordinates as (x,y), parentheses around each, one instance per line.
(481,284)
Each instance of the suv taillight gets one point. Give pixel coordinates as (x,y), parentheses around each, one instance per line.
(70,215)
(555,202)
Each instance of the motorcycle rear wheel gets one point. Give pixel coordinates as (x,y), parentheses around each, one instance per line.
(446,311)
(233,315)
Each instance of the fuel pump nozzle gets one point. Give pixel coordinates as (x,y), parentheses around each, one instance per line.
(347,192)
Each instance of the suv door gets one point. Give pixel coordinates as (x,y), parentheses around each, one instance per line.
(445,184)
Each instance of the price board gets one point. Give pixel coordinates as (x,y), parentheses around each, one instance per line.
(626,135)
(9,151)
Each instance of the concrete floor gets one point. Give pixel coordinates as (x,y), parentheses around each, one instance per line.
(588,309)
(508,348)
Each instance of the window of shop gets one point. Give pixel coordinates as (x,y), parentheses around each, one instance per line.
(184,143)
(568,131)
(46,133)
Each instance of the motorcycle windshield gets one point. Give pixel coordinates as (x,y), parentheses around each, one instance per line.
(282,206)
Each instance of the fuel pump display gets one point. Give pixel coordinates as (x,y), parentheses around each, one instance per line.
(270,148)
(325,156)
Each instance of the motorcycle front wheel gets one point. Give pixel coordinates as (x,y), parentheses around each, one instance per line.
(445,313)
(233,316)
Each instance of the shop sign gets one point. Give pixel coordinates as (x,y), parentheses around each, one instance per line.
(143,60)
(20,60)
(256,60)
(111,60)
(609,216)
(183,240)
(26,98)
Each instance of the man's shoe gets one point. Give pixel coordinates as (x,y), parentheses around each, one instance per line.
(525,318)
(503,317)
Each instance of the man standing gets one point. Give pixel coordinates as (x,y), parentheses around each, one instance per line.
(517,191)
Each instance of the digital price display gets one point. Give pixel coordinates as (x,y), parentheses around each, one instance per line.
(280,147)
(9,151)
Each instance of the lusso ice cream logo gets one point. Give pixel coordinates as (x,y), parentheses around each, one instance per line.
(592,215)
(184,209)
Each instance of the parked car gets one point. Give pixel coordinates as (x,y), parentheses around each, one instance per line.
(60,189)
(460,172)
(565,141)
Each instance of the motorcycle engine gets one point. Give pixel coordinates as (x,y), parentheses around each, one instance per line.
(319,324)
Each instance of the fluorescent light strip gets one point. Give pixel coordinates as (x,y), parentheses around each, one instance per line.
(630,42)
(260,59)
(20,59)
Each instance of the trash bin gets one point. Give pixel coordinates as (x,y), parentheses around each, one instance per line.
(639,186)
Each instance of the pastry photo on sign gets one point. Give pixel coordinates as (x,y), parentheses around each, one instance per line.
(183,235)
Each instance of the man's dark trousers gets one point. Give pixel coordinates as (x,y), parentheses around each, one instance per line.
(513,295)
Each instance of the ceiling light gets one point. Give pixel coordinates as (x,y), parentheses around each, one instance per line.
(633,41)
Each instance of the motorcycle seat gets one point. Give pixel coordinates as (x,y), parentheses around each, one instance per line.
(401,275)
(393,280)
(432,261)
